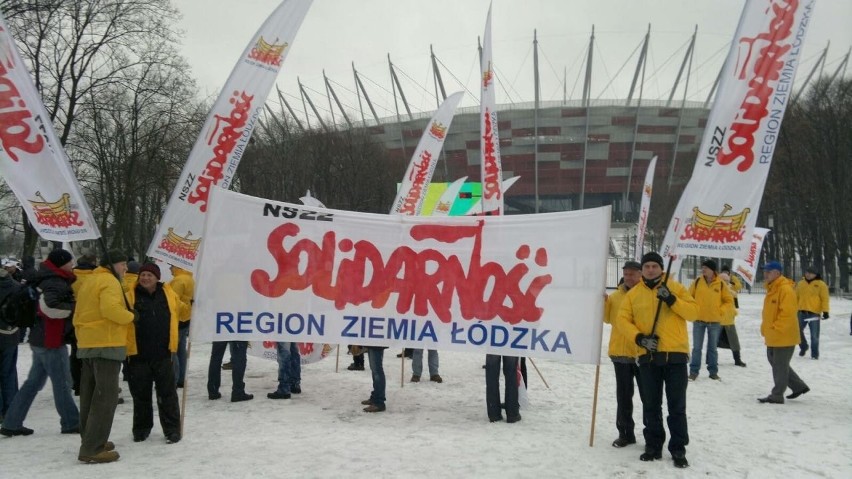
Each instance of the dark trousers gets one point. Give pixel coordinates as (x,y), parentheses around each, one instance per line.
(783,375)
(653,377)
(98,398)
(625,374)
(76,368)
(143,376)
(238,366)
(492,385)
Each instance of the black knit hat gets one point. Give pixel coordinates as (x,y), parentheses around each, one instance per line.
(114,256)
(710,264)
(60,257)
(150,268)
(653,257)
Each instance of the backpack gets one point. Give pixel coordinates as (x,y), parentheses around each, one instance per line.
(18,308)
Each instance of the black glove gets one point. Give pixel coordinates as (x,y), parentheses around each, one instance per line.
(825,315)
(666,296)
(648,341)
(135,317)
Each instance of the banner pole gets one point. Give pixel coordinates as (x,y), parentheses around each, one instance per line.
(539,373)
(402,369)
(337,361)
(185,387)
(595,404)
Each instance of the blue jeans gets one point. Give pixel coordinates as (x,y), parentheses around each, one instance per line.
(814,327)
(8,374)
(289,366)
(179,361)
(53,364)
(375,355)
(713,331)
(417,362)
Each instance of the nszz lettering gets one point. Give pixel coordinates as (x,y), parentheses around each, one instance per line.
(289,212)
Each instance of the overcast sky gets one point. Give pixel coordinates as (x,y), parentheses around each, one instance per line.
(336,33)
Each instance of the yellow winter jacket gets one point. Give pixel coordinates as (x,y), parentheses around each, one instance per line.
(179,312)
(636,315)
(619,344)
(728,319)
(812,296)
(129,281)
(82,275)
(101,317)
(736,284)
(780,326)
(714,299)
(184,285)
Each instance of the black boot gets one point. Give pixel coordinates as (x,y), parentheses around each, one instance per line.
(737,360)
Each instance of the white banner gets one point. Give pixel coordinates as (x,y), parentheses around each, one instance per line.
(216,154)
(445,202)
(645,207)
(523,285)
(747,267)
(32,161)
(415,183)
(489,144)
(718,209)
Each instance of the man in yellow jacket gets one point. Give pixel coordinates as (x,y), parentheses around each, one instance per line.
(812,294)
(779,330)
(184,285)
(715,303)
(101,320)
(151,344)
(623,352)
(654,313)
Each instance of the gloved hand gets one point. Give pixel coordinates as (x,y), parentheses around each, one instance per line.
(825,315)
(135,317)
(648,341)
(666,296)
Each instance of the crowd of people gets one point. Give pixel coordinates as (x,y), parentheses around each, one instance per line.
(118,316)
(649,343)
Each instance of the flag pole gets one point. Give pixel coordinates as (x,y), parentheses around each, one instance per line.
(185,387)
(595,404)
(402,369)
(539,373)
(337,361)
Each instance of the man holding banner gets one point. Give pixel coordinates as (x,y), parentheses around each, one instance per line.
(664,338)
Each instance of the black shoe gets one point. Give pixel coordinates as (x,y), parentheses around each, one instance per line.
(23,431)
(375,408)
(214,396)
(140,436)
(799,393)
(803,351)
(356,367)
(120,401)
(770,400)
(278,395)
(173,438)
(179,385)
(623,442)
(680,460)
(651,456)
(73,430)
(495,418)
(740,364)
(511,419)
(715,377)
(239,397)
(296,389)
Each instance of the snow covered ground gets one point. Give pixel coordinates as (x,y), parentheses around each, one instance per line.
(442,430)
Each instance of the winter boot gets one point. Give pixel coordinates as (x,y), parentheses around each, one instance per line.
(737,360)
